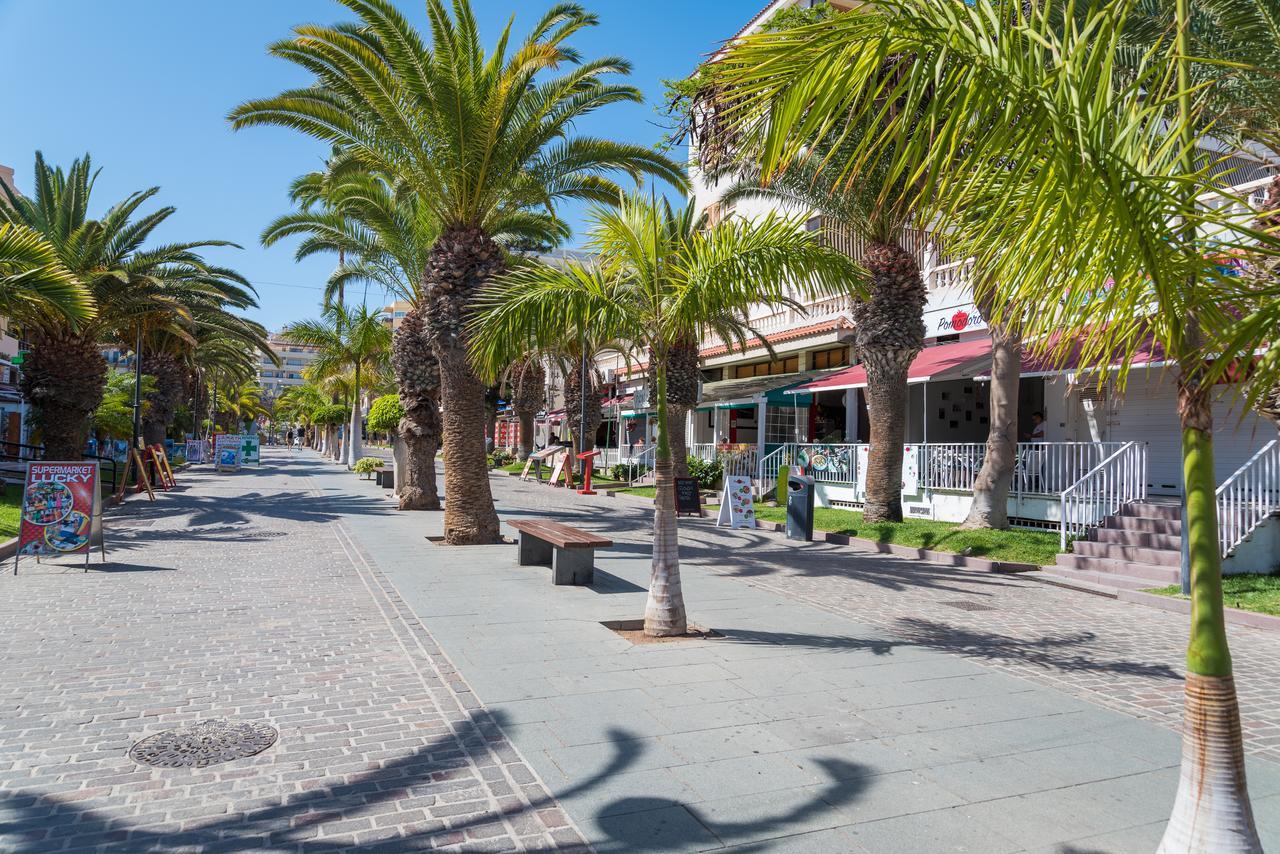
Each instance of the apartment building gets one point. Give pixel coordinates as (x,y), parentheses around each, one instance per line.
(294,359)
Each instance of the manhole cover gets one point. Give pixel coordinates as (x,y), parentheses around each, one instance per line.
(968,606)
(205,743)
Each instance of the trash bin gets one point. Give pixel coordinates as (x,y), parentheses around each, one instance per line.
(799,507)
(388,478)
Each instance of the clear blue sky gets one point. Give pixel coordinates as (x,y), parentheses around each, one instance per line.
(145,85)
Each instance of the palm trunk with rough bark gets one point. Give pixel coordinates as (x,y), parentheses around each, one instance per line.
(683,373)
(1211,813)
(888,334)
(418,379)
(63,379)
(990,508)
(462,260)
(170,388)
(664,613)
(528,381)
(677,421)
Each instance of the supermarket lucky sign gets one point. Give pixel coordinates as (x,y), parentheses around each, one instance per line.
(61,511)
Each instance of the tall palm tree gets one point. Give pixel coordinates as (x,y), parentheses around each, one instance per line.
(662,279)
(131,286)
(889,327)
(486,141)
(1102,189)
(349,339)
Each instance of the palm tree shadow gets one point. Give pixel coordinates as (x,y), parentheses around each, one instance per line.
(627,827)
(33,821)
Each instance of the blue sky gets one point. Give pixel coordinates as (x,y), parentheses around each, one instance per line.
(145,85)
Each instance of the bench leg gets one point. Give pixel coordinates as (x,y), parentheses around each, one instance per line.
(533,551)
(573,566)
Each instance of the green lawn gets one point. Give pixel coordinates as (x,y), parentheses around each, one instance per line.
(10,512)
(642,491)
(1259,593)
(1015,546)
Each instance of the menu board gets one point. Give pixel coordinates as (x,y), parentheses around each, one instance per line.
(61,510)
(736,508)
(687,498)
(227,448)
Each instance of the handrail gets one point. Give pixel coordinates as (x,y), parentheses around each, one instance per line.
(638,466)
(1118,480)
(1249,495)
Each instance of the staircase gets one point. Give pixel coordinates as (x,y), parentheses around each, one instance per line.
(1137,548)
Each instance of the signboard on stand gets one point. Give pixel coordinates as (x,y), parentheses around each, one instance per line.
(536,459)
(910,470)
(250,449)
(688,499)
(226,451)
(736,508)
(61,511)
(195,452)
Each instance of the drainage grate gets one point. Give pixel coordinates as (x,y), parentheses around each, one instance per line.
(205,743)
(966,605)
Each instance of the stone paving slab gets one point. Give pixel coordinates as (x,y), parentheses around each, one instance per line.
(241,596)
(848,708)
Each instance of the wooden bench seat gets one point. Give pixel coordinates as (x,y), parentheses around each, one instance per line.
(569,551)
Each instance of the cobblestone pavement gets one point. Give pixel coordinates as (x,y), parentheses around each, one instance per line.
(240,596)
(1119,655)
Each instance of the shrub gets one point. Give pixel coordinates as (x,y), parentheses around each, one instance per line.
(706,473)
(367,465)
(385,414)
(622,471)
(500,458)
(330,414)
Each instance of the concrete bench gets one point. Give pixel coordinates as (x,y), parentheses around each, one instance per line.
(570,552)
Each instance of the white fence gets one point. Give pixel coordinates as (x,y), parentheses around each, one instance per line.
(1114,482)
(1249,496)
(735,460)
(1040,468)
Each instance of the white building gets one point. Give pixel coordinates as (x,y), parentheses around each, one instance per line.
(294,359)
(1104,453)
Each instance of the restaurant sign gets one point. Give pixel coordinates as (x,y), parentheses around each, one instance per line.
(953,320)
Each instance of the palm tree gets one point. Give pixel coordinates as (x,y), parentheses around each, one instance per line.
(131,287)
(889,326)
(486,142)
(297,403)
(1066,168)
(663,279)
(349,339)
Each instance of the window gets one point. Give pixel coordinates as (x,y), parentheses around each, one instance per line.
(789,365)
(785,424)
(711,375)
(836,357)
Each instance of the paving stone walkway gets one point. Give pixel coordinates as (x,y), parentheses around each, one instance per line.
(858,702)
(242,597)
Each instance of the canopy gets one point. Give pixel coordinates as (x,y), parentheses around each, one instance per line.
(744,393)
(947,361)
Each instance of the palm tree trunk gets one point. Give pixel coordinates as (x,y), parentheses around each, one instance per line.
(526,435)
(1211,812)
(416,484)
(462,260)
(677,418)
(888,334)
(990,508)
(354,449)
(664,613)
(886,397)
(63,378)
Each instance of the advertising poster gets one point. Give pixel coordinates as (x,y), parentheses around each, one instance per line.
(195,451)
(250,449)
(736,508)
(61,510)
(227,448)
(910,469)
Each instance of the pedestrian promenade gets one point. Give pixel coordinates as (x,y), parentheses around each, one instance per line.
(429,696)
(856,702)
(241,597)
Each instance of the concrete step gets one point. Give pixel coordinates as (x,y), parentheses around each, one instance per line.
(1134,554)
(1144,523)
(1096,582)
(1156,576)
(1131,537)
(1150,510)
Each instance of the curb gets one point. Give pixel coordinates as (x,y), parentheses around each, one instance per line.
(1235,616)
(8,548)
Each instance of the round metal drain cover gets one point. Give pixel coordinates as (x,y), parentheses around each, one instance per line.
(205,743)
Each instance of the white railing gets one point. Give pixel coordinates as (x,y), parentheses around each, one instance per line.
(1040,468)
(1250,495)
(955,276)
(1114,482)
(640,467)
(824,463)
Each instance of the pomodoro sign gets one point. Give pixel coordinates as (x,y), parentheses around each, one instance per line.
(955,319)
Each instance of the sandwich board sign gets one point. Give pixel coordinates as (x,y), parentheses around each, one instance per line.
(227,448)
(61,511)
(195,452)
(250,449)
(736,508)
